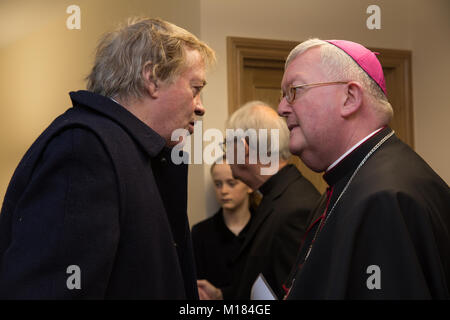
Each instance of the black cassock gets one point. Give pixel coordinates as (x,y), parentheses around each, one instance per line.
(387,237)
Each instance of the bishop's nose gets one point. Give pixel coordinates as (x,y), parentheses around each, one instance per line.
(283,108)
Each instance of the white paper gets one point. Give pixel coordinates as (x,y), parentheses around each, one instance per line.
(261,290)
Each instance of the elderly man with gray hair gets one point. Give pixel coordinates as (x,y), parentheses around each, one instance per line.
(96,209)
(279,223)
(382,231)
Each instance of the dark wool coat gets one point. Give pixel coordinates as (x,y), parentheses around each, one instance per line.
(97,190)
(388,236)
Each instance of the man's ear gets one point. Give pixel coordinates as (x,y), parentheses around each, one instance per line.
(150,83)
(246,147)
(353,99)
(241,144)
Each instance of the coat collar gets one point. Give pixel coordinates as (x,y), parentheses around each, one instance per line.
(147,138)
(271,190)
(275,185)
(351,161)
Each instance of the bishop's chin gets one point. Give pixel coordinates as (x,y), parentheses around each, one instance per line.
(312,163)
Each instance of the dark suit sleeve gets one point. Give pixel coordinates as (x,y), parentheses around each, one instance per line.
(67,220)
(291,230)
(198,252)
(395,255)
(286,246)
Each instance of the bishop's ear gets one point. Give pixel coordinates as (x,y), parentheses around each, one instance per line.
(150,82)
(353,99)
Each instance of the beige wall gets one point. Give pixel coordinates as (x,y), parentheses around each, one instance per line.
(430,26)
(41,61)
(417,25)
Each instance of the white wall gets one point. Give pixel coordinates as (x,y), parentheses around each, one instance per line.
(41,61)
(430,27)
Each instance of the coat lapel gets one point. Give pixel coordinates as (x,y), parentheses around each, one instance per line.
(280,181)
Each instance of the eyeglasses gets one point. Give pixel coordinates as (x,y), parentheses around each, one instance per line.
(291,92)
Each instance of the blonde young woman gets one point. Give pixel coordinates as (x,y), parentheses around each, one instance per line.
(219,238)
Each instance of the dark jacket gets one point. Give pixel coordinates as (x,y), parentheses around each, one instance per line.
(97,190)
(278,225)
(215,248)
(388,235)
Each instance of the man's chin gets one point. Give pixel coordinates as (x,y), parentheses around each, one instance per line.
(310,160)
(296,148)
(172,143)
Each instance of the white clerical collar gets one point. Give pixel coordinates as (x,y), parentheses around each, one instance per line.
(351,149)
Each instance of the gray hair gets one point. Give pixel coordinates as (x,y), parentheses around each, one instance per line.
(124,54)
(260,115)
(340,66)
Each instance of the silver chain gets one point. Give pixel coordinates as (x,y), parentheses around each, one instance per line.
(345,189)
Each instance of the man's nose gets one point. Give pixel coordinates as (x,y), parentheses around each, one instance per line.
(199,109)
(283,108)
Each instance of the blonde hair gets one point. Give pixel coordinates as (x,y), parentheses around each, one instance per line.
(338,66)
(123,54)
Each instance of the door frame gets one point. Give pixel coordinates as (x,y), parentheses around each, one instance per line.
(240,48)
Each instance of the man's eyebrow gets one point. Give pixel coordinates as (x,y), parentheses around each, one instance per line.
(294,78)
(200,82)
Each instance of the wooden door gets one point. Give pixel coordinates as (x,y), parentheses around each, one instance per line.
(255,70)
(261,81)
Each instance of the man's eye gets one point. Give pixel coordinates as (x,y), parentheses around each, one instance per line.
(299,90)
(197,90)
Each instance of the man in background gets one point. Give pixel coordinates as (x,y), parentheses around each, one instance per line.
(279,223)
(382,231)
(96,209)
